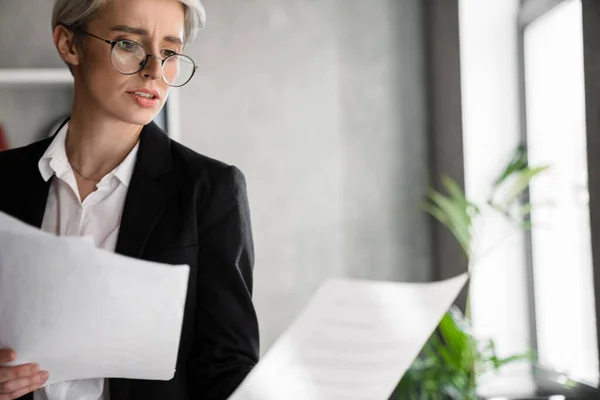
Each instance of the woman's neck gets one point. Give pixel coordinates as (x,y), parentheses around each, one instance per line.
(95,145)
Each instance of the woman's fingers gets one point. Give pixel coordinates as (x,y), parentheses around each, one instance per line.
(19,380)
(17,372)
(23,391)
(21,383)
(7,355)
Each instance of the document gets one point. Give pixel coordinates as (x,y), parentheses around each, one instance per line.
(82,312)
(354,341)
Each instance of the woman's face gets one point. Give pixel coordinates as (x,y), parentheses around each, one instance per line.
(158,25)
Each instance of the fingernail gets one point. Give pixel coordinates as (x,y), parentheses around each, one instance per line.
(42,376)
(35,368)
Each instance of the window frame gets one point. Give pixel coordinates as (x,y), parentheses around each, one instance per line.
(548,381)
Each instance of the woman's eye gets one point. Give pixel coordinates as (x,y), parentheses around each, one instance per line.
(127,45)
(168,53)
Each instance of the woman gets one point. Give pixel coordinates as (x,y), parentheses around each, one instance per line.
(109,172)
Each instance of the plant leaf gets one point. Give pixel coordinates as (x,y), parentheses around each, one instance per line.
(521,183)
(517,163)
(454,214)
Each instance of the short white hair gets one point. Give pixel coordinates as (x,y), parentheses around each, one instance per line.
(75,14)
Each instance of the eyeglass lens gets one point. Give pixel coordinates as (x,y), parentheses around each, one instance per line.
(128,57)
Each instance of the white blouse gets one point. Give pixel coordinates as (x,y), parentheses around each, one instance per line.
(98,216)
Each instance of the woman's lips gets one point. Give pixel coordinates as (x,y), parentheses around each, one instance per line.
(143,101)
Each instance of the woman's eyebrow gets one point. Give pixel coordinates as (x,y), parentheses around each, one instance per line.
(143,32)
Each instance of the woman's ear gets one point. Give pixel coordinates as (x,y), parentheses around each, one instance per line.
(64,40)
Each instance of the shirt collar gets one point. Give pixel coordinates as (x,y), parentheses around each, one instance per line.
(55,161)
(125,170)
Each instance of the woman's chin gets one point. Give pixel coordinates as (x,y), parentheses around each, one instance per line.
(138,117)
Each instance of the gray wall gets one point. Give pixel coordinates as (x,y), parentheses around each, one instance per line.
(26,42)
(26,35)
(322,105)
(445,127)
(28,113)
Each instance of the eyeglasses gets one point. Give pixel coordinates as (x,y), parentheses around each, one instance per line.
(128,57)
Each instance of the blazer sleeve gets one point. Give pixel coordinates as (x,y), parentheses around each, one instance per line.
(226,342)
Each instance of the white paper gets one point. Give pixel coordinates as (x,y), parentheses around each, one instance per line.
(354,341)
(82,312)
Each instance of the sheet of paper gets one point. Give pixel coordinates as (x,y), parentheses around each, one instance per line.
(82,312)
(354,341)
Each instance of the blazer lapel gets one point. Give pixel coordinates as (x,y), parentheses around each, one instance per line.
(149,190)
(33,205)
(30,205)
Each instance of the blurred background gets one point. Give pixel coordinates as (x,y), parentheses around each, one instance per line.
(342,114)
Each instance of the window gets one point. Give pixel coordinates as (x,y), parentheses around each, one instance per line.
(565,317)
(522,81)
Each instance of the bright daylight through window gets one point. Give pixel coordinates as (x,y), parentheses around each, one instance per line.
(561,245)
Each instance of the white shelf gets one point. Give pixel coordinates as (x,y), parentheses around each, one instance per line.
(23,77)
(35,76)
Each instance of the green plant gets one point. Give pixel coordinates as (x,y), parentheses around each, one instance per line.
(452,358)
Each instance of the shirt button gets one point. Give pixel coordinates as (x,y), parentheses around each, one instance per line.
(79,211)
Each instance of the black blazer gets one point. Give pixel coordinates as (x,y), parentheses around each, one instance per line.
(181,208)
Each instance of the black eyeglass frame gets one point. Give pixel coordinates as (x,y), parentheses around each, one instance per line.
(143,64)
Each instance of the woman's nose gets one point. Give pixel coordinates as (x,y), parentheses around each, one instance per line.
(153,68)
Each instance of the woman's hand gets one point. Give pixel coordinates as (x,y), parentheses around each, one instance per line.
(19,380)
